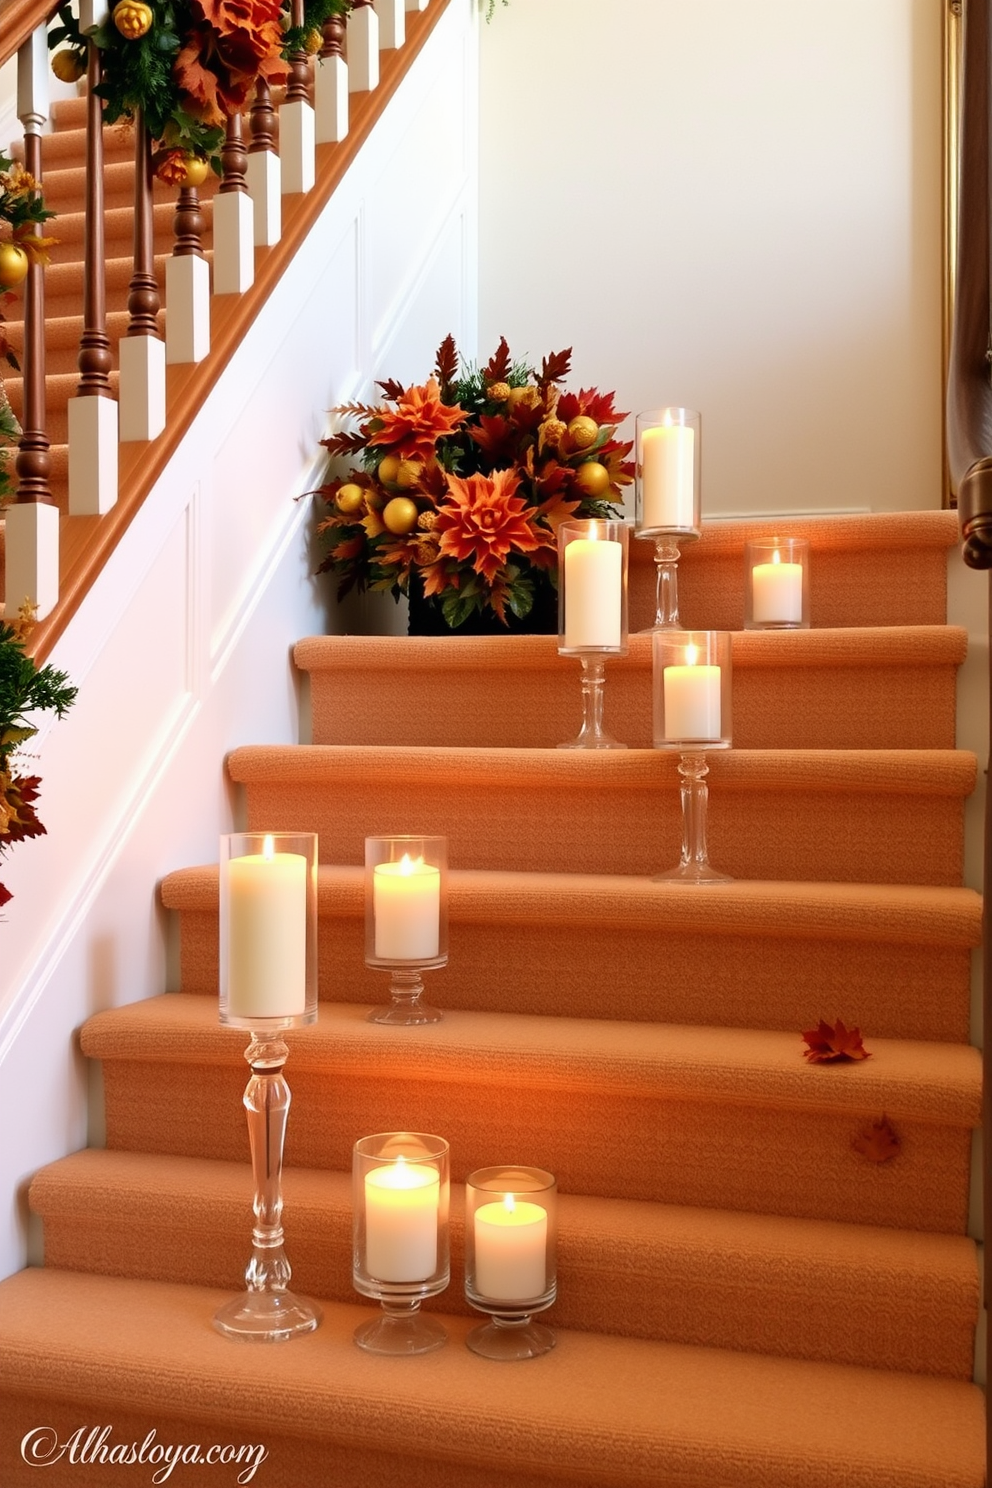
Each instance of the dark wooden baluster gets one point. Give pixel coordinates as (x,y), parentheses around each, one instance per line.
(263,120)
(33,463)
(94,346)
(143,300)
(333,31)
(235,158)
(188,224)
(331,84)
(298,83)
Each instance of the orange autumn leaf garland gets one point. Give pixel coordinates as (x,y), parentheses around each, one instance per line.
(833,1043)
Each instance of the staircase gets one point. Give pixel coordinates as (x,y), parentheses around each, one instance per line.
(743,1297)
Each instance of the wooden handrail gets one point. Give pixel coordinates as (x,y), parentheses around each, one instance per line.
(18,18)
(87,542)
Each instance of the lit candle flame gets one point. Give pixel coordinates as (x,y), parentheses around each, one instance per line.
(691,655)
(776,556)
(509,1203)
(268,849)
(410,865)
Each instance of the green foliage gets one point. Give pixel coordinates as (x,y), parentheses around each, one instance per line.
(315,13)
(10,432)
(26,689)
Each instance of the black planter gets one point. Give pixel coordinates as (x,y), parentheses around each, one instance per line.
(427,618)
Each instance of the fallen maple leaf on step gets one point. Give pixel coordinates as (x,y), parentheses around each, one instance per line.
(827,1044)
(877,1141)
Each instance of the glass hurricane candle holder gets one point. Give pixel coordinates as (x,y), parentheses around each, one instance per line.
(776,584)
(691,683)
(510,1249)
(400,1201)
(667,497)
(406,921)
(592,614)
(268,983)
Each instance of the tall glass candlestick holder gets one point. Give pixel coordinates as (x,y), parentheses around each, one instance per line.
(592,614)
(400,1201)
(268,984)
(692,714)
(510,1249)
(667,497)
(406,921)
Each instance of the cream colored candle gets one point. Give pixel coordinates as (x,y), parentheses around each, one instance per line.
(593,594)
(510,1247)
(692,700)
(401,1210)
(267,934)
(777,591)
(406,902)
(668,484)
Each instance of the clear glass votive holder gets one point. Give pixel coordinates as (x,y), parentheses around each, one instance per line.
(268,929)
(400,1227)
(776,584)
(691,685)
(406,920)
(592,587)
(667,489)
(511,1237)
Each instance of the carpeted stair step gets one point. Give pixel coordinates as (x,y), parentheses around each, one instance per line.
(720,1118)
(890,688)
(697,1276)
(882,568)
(865,816)
(62,340)
(64,284)
(895,959)
(59,389)
(119,228)
(141,1354)
(65,186)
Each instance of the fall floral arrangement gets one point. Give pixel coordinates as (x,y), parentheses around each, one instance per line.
(188,65)
(25,689)
(22,209)
(464,480)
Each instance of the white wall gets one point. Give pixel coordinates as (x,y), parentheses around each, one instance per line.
(732,205)
(182,650)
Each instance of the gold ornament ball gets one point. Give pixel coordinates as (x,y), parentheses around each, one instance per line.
(520,395)
(400,515)
(408,474)
(69,66)
(350,498)
(592,478)
(197,170)
(314,42)
(583,431)
(552,430)
(389,469)
(133,19)
(13,265)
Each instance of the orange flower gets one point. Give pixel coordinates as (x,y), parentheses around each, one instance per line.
(483,522)
(229,45)
(419,420)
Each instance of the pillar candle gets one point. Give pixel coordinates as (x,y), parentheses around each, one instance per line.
(668,486)
(692,700)
(593,594)
(777,591)
(401,1211)
(406,903)
(510,1246)
(267,934)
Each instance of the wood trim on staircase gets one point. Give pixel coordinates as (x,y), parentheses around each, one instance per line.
(18,18)
(87,542)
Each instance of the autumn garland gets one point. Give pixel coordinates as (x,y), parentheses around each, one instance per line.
(24,690)
(189,66)
(465,479)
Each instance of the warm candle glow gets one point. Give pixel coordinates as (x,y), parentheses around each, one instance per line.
(406,904)
(267,937)
(510,1250)
(777,591)
(401,1209)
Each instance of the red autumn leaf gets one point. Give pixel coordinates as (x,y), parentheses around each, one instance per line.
(494,435)
(497,369)
(5,896)
(830,1044)
(555,368)
(344,443)
(594,405)
(446,364)
(877,1141)
(391,388)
